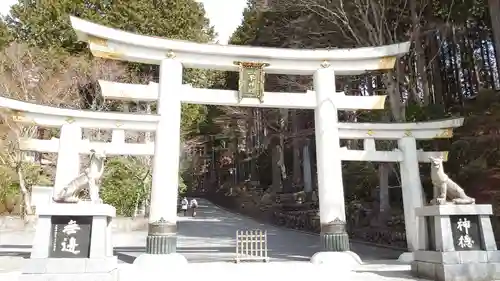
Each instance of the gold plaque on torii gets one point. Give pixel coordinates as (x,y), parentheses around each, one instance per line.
(251,80)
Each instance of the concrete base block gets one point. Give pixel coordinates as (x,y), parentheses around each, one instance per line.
(345,261)
(95,269)
(406,257)
(62,266)
(457,265)
(456,272)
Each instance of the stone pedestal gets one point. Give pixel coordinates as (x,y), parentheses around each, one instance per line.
(456,243)
(72,242)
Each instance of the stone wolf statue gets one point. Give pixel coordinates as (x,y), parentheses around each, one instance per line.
(88,179)
(444,187)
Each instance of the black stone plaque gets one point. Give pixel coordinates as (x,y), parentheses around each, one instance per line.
(466,233)
(70,236)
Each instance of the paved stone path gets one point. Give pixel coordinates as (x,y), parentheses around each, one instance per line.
(209,237)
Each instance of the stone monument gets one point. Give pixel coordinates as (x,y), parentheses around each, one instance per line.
(456,240)
(73,237)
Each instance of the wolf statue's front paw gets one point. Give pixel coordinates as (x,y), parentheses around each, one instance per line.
(440,201)
(97,201)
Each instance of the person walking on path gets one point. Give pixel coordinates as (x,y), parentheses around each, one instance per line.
(184,205)
(193,204)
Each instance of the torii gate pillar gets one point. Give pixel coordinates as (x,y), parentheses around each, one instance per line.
(162,228)
(334,237)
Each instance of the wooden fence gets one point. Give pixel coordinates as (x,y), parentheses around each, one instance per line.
(251,245)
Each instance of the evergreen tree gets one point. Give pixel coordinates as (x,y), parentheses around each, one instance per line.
(246,32)
(5,36)
(45,23)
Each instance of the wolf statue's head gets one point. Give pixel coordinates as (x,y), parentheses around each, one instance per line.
(436,162)
(97,154)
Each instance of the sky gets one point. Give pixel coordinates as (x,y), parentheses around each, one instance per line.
(5,6)
(225,15)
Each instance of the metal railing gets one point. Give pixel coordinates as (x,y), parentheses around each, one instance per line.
(251,245)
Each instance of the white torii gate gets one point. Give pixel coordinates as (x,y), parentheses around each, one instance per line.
(172,56)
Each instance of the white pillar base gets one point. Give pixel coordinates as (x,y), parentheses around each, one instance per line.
(159,263)
(406,257)
(343,261)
